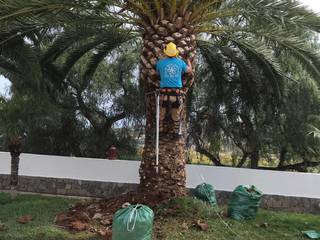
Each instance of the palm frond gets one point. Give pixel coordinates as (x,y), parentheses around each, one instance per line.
(213,58)
(288,14)
(294,46)
(68,37)
(142,9)
(158,5)
(76,53)
(203,7)
(99,54)
(257,53)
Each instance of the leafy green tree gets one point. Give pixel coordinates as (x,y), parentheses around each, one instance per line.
(101,89)
(257,124)
(253,29)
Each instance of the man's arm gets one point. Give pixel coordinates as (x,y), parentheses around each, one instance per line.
(189,68)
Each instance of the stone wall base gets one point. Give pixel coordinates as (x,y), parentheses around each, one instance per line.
(97,189)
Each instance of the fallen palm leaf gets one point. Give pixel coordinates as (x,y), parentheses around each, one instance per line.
(79,226)
(24,219)
(202,226)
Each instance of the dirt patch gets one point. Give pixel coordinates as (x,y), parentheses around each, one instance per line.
(96,215)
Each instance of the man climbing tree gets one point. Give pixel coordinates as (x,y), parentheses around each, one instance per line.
(172,96)
(165,152)
(172,68)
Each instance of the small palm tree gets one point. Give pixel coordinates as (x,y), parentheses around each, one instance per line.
(11,129)
(259,29)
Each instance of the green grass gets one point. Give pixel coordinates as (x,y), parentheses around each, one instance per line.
(280,226)
(43,211)
(267,226)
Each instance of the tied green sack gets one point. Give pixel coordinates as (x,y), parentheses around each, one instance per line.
(244,203)
(133,223)
(205,192)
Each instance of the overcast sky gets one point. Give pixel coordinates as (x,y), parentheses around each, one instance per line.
(313,4)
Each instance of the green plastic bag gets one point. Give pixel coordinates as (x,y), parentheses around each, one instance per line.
(244,203)
(205,192)
(312,234)
(133,223)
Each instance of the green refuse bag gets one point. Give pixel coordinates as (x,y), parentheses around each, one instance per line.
(311,234)
(132,223)
(244,203)
(205,192)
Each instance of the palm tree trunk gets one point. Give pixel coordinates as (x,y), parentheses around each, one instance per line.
(170,180)
(14,147)
(171,177)
(15,159)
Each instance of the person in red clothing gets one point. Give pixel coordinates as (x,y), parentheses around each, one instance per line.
(112,153)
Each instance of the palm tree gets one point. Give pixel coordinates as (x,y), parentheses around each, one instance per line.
(11,127)
(259,29)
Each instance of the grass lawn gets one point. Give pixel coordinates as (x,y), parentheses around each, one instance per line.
(43,211)
(268,225)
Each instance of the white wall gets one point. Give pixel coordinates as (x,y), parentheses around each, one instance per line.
(222,178)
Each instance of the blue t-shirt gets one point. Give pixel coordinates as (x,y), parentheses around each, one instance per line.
(171,70)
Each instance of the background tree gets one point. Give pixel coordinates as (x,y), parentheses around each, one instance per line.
(85,105)
(226,115)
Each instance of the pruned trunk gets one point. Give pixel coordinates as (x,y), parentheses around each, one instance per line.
(170,179)
(15,151)
(15,159)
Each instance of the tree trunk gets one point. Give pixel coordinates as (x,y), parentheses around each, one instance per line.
(243,160)
(282,158)
(15,159)
(170,180)
(255,159)
(14,147)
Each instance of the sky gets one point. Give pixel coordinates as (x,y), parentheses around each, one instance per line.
(312,4)
(4,86)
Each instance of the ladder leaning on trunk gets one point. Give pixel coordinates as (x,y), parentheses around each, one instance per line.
(157,94)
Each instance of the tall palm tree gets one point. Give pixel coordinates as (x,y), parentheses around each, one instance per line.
(259,29)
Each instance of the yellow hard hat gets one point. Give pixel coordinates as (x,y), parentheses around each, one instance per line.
(171,50)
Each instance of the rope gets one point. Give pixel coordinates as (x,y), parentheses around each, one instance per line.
(134,212)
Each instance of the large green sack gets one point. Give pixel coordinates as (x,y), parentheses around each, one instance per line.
(205,192)
(244,203)
(132,223)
